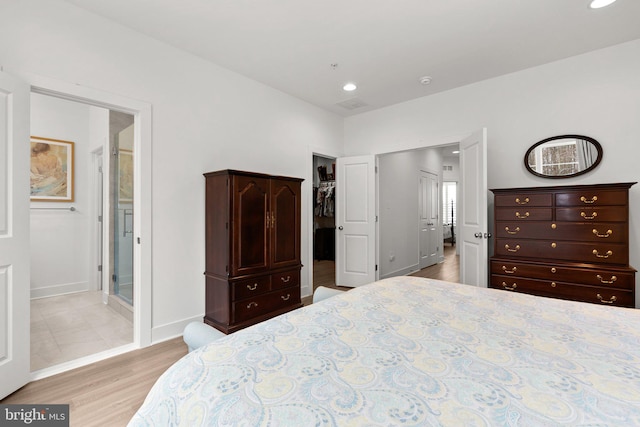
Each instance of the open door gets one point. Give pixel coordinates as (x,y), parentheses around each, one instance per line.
(428,206)
(355,221)
(473,235)
(14,235)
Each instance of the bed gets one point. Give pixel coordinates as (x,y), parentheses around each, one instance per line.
(413,352)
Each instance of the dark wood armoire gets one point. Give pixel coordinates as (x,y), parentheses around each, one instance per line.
(252,248)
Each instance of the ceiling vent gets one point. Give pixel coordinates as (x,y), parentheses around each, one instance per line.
(352,104)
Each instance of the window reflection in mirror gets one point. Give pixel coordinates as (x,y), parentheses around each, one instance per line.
(563,156)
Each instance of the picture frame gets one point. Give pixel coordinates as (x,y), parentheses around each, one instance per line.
(52,173)
(125,176)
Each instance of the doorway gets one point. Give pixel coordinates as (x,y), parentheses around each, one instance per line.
(69,319)
(323,207)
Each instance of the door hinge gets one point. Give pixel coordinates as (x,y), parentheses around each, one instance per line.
(99,268)
(376,218)
(376,267)
(100,169)
(99,218)
(114,278)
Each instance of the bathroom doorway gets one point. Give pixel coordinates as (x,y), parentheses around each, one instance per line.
(73,243)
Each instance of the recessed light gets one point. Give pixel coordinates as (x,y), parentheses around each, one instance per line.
(455,152)
(425,80)
(349,87)
(597,4)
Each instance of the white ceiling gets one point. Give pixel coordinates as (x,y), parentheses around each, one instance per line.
(384,46)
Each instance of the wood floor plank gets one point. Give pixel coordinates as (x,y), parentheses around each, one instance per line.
(106,393)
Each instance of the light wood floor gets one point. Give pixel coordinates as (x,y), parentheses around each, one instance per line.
(448,270)
(107,393)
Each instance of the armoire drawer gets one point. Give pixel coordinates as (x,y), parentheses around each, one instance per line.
(524,199)
(615,232)
(557,272)
(285,279)
(576,292)
(605,253)
(253,307)
(592,197)
(250,287)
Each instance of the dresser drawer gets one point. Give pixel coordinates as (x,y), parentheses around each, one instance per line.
(592,198)
(257,306)
(523,214)
(591,214)
(285,279)
(606,253)
(547,288)
(250,287)
(612,278)
(533,199)
(615,232)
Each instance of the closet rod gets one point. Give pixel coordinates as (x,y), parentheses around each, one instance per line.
(72,209)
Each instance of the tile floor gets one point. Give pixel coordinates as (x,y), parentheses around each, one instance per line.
(68,327)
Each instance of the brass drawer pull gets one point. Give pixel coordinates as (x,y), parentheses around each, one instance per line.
(512,232)
(607,255)
(584,215)
(613,279)
(585,200)
(509,288)
(553,269)
(516,249)
(518,215)
(607,234)
(252,288)
(554,245)
(286,298)
(611,300)
(252,304)
(524,202)
(285,280)
(512,271)
(553,284)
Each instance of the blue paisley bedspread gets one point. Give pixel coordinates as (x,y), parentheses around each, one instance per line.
(408,351)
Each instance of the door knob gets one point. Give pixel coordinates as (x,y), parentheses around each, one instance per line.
(340,228)
(478,235)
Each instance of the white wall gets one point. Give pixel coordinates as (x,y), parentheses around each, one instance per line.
(59,237)
(398,179)
(595,94)
(204,118)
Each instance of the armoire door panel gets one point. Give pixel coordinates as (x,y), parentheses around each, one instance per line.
(250,232)
(285,223)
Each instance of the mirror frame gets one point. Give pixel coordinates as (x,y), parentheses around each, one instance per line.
(553,138)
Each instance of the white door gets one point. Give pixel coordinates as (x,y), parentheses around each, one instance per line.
(355,221)
(14,235)
(428,205)
(472,215)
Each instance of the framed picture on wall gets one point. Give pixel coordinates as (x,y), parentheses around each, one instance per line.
(125,176)
(51,170)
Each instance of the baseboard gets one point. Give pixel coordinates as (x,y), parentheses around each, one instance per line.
(56,290)
(172,330)
(401,272)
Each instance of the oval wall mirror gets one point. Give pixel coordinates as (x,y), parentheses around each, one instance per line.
(563,156)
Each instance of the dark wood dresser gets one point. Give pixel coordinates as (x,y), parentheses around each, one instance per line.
(569,242)
(252,248)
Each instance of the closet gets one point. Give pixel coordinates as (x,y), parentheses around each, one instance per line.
(324,196)
(252,248)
